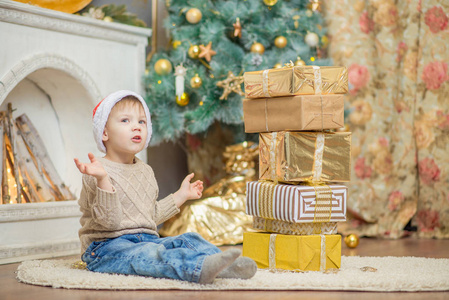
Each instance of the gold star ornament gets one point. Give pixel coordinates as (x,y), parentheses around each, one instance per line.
(207,52)
(231,84)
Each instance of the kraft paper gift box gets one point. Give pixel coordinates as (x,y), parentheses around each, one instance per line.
(297,80)
(296,203)
(310,112)
(288,156)
(283,227)
(293,252)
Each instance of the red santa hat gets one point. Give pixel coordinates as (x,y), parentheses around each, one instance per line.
(103,109)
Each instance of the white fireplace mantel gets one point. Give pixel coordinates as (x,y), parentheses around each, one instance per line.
(55,67)
(98,47)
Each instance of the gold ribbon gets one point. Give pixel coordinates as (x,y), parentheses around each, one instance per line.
(289,65)
(265,227)
(323,203)
(318,88)
(319,146)
(322,115)
(318,157)
(273,156)
(266,191)
(323,253)
(266,115)
(318,80)
(272,254)
(265,88)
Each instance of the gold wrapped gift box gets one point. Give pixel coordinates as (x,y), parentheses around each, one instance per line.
(286,156)
(283,227)
(296,203)
(293,252)
(298,80)
(310,112)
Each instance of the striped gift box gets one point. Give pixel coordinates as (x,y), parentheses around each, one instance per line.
(296,203)
(283,227)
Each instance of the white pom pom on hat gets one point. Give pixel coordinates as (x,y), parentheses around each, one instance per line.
(103,109)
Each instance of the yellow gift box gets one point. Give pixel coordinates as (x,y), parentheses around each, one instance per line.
(299,156)
(298,80)
(293,252)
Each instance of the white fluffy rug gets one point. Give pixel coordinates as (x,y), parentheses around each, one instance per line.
(393,274)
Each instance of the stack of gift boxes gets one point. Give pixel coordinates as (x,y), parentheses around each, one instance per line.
(299,197)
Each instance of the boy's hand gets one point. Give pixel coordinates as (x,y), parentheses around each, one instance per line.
(188,190)
(95,169)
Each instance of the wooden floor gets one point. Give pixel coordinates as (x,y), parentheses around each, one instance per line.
(10,288)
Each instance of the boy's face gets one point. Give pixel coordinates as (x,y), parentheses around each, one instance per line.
(125,132)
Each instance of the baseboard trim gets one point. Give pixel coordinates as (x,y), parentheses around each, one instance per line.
(22,252)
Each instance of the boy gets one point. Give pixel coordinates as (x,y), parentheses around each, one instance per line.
(121,214)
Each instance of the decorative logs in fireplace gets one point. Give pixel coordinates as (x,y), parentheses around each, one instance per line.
(28,174)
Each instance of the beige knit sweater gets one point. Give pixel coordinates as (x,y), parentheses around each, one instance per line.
(131,208)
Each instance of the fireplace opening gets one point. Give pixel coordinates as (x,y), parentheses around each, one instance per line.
(28,174)
(58,103)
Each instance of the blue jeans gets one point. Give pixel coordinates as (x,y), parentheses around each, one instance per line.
(180,257)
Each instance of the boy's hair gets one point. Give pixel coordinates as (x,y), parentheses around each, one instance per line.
(103,109)
(126,101)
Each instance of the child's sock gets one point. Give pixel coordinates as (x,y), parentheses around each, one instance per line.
(216,263)
(242,268)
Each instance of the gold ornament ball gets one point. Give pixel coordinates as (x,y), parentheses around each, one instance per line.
(257,48)
(108,19)
(194,51)
(176,44)
(300,62)
(352,240)
(280,41)
(183,100)
(163,66)
(277,66)
(196,81)
(270,2)
(194,15)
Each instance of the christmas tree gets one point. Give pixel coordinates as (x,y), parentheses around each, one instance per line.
(198,81)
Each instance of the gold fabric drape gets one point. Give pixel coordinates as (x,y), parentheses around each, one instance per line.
(397,57)
(220,215)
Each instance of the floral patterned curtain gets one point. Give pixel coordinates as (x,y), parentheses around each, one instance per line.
(397,54)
